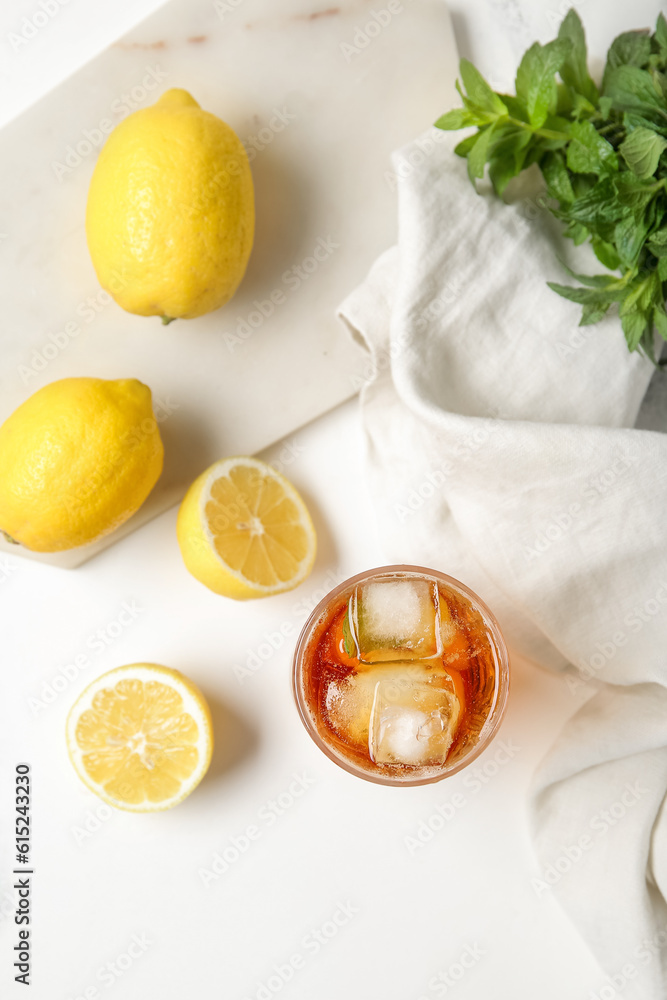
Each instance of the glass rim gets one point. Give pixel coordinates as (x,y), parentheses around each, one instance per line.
(496,713)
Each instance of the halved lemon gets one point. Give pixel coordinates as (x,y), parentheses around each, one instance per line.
(244,531)
(140,737)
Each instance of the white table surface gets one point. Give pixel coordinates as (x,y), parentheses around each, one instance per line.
(455,917)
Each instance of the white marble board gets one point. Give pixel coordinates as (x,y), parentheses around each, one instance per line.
(320,95)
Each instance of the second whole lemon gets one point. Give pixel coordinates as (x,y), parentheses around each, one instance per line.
(77,458)
(170,216)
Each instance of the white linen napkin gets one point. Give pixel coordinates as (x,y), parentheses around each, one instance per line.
(501,450)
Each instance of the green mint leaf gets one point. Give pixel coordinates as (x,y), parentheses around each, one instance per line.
(507,155)
(577,232)
(465,145)
(640,295)
(587,296)
(536,82)
(660,80)
(479,91)
(501,171)
(589,152)
(642,150)
(608,282)
(593,313)
(635,325)
(634,193)
(458,118)
(660,320)
(582,107)
(606,253)
(632,120)
(657,244)
(516,108)
(632,48)
(632,89)
(629,236)
(478,154)
(660,36)
(574,70)
(662,268)
(598,205)
(605,107)
(556,176)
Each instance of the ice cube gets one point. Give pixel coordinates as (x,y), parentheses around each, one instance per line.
(404,713)
(413,724)
(395,620)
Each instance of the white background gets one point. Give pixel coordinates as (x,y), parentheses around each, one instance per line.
(100,879)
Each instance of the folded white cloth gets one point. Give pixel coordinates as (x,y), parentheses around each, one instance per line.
(501,450)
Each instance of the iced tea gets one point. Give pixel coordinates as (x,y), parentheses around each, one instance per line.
(401,675)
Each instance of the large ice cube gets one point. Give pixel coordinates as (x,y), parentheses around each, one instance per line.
(414,724)
(395,620)
(399,713)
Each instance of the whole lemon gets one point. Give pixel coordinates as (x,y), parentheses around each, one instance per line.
(77,458)
(171,216)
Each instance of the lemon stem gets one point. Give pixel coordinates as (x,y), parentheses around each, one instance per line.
(8,538)
(166,320)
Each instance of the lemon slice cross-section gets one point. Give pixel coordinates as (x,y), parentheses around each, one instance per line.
(140,737)
(244,531)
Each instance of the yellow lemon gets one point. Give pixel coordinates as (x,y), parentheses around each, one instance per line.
(170,217)
(244,531)
(77,458)
(141,737)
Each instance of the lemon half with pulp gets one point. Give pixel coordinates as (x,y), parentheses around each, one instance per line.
(141,737)
(244,531)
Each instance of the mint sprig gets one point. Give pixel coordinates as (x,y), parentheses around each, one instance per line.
(602,153)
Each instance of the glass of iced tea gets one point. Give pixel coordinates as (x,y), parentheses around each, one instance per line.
(401,675)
